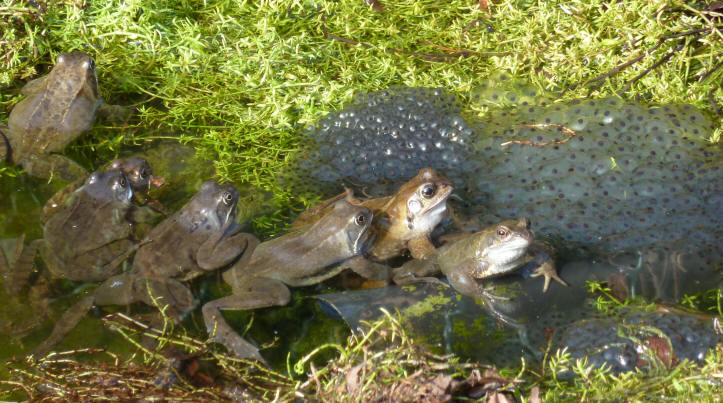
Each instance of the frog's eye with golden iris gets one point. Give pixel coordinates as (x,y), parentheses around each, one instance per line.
(502,232)
(361,219)
(429,190)
(227,198)
(122,181)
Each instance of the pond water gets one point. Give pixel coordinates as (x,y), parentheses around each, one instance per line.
(629,194)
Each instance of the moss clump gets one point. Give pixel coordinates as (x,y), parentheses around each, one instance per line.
(238,80)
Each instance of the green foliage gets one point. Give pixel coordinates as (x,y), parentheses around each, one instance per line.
(239,80)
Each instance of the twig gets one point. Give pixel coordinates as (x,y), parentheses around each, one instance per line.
(653,67)
(645,53)
(571,133)
(713,104)
(434,57)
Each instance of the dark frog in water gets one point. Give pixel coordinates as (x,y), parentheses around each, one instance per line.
(303,257)
(88,238)
(137,170)
(494,251)
(57,109)
(201,237)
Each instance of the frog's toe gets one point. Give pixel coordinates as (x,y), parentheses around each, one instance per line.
(549,277)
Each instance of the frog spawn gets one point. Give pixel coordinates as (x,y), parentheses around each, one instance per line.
(632,175)
(389,136)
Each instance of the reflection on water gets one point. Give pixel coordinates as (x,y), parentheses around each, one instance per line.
(523,319)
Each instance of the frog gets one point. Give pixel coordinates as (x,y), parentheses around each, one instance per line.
(305,256)
(403,221)
(58,108)
(201,237)
(88,238)
(137,170)
(494,251)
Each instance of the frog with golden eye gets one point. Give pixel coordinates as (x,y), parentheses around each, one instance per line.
(494,251)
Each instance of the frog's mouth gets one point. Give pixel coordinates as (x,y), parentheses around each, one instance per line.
(230,214)
(364,241)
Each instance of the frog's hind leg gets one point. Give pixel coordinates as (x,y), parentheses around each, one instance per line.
(257,293)
(65,324)
(17,271)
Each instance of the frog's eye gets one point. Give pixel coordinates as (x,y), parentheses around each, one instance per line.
(123,182)
(91,64)
(429,190)
(227,198)
(502,232)
(142,173)
(361,219)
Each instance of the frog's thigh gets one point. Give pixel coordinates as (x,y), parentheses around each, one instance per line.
(117,290)
(171,294)
(54,165)
(464,284)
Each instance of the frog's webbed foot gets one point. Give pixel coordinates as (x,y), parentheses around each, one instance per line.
(221,332)
(252,294)
(113,113)
(54,166)
(547,269)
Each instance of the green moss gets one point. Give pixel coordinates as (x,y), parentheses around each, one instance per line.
(239,80)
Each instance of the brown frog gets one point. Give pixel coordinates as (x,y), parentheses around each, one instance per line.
(201,237)
(494,251)
(137,170)
(57,109)
(88,238)
(303,257)
(402,221)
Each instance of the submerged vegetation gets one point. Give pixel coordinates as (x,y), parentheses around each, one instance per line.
(240,80)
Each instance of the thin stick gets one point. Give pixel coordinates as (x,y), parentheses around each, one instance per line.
(571,133)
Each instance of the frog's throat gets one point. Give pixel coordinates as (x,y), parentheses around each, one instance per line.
(507,253)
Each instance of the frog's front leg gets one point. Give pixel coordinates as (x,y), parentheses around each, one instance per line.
(54,166)
(541,253)
(4,143)
(370,270)
(420,248)
(114,113)
(255,293)
(221,249)
(416,271)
